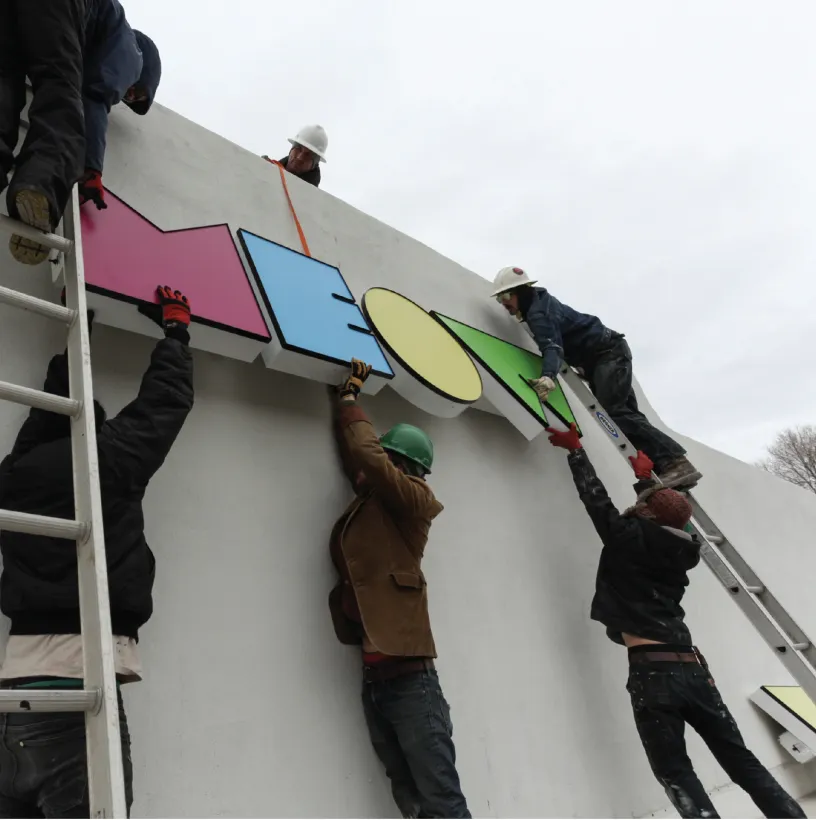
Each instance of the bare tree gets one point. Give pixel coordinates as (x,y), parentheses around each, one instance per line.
(792,456)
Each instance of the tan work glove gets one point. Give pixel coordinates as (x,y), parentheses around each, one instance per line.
(543,386)
(352,386)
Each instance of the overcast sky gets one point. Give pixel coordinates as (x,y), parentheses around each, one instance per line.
(651,162)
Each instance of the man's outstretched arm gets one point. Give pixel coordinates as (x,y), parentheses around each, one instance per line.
(609,523)
(139,438)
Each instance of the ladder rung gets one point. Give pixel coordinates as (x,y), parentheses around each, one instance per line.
(27,302)
(49,700)
(714,539)
(43,525)
(755,590)
(49,240)
(801,647)
(39,399)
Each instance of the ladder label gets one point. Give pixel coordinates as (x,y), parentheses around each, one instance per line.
(606,424)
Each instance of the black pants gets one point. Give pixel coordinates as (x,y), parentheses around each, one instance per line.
(43,764)
(44,40)
(410,727)
(668,695)
(610,379)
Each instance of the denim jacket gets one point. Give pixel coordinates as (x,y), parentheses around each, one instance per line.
(563,333)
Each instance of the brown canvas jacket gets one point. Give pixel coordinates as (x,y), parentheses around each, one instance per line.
(377,547)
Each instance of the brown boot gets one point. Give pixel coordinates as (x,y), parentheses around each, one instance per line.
(681,474)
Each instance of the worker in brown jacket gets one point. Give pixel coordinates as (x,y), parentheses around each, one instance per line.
(381,604)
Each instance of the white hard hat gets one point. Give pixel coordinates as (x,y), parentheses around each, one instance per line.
(510,278)
(314,138)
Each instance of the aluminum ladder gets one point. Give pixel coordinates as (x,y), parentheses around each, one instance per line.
(98,698)
(780,631)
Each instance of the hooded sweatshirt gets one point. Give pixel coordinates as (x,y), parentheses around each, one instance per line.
(115,58)
(643,571)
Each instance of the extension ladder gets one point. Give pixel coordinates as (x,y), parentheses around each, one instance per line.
(788,640)
(98,698)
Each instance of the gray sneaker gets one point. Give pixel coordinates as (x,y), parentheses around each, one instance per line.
(681,474)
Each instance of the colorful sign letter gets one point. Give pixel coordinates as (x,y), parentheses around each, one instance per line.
(127,257)
(318,326)
(508,368)
(433,371)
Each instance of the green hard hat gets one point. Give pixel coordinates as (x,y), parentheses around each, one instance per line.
(411,442)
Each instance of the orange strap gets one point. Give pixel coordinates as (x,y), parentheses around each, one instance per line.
(291,207)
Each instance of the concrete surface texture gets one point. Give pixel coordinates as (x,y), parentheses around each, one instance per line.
(250,707)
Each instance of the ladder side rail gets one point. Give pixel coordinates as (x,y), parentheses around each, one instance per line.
(764,611)
(798,638)
(105,768)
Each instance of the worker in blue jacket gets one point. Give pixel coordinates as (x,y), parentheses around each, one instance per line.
(120,65)
(564,335)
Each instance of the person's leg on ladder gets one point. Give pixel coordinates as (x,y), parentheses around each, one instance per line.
(611,382)
(711,719)
(12,88)
(51,41)
(657,706)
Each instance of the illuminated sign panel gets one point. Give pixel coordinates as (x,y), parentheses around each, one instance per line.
(510,367)
(319,328)
(433,371)
(436,362)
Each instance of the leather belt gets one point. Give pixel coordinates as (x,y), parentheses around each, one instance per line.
(388,670)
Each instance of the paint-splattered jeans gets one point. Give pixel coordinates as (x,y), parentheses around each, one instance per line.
(43,764)
(668,695)
(610,379)
(409,722)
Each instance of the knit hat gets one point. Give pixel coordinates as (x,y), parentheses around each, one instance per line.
(669,508)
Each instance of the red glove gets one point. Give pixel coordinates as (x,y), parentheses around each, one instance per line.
(568,440)
(91,189)
(173,308)
(642,465)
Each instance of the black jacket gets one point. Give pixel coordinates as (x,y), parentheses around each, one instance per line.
(38,588)
(643,571)
(312,177)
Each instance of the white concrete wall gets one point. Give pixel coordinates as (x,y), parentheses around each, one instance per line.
(250,707)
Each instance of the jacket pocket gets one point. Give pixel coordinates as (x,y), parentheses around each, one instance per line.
(408,580)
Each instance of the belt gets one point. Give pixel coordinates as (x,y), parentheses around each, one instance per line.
(675,657)
(388,670)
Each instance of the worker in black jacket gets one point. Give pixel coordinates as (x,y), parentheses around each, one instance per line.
(43,768)
(642,576)
(82,57)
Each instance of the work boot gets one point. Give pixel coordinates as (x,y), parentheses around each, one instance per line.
(680,474)
(29,205)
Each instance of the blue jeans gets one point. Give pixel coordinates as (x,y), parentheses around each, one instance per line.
(409,722)
(43,764)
